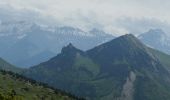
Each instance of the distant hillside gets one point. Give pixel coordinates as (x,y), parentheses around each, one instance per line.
(121,69)
(8,67)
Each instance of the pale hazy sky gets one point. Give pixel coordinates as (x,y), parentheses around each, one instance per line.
(118,16)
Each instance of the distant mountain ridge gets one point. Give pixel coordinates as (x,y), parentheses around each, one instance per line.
(21,41)
(156,38)
(121,69)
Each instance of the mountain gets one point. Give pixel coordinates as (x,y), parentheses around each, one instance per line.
(22,41)
(121,69)
(156,38)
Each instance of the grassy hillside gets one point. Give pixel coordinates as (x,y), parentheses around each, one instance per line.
(164,58)
(16,87)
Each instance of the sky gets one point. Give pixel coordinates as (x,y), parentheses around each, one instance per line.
(113,16)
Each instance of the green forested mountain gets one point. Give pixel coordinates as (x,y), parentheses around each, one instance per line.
(121,69)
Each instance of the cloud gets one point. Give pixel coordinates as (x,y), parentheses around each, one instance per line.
(116,16)
(140,25)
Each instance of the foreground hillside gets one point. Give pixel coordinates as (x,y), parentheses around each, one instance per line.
(16,87)
(121,69)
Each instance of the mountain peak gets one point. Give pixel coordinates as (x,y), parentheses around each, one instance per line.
(127,36)
(153,33)
(156,38)
(125,48)
(128,39)
(70,45)
(70,49)
(125,43)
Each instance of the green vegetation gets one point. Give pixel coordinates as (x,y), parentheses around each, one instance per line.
(150,89)
(164,58)
(16,87)
(86,63)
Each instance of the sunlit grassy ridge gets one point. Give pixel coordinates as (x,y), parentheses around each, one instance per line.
(16,87)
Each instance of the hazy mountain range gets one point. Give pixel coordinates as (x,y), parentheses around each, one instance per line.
(25,44)
(84,50)
(156,38)
(122,68)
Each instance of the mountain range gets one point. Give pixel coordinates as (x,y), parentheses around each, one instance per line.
(121,69)
(157,39)
(25,44)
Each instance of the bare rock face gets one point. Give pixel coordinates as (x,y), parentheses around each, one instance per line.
(128,88)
